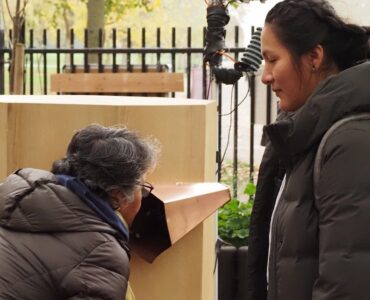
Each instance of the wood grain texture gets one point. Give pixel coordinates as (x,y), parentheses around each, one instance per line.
(117,82)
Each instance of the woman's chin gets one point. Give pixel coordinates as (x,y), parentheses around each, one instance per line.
(283,105)
(287,106)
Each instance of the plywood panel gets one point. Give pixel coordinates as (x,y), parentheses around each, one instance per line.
(39,134)
(182,131)
(47,130)
(117,82)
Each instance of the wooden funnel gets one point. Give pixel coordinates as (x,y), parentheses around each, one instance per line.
(172,211)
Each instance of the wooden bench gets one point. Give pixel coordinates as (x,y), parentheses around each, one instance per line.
(153,80)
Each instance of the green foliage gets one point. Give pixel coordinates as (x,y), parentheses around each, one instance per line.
(234,216)
(234,221)
(234,3)
(53,12)
(117,9)
(250,189)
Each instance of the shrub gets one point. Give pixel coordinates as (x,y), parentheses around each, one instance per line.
(234,218)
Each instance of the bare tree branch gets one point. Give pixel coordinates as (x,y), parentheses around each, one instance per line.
(22,11)
(9,12)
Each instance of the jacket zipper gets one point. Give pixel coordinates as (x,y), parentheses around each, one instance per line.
(274,246)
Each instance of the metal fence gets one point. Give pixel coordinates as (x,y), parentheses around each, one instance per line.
(46,55)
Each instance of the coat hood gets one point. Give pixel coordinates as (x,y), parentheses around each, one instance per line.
(33,201)
(340,95)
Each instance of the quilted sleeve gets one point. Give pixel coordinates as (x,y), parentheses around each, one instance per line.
(343,203)
(103,274)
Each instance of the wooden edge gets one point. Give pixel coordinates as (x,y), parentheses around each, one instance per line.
(183,216)
(117,82)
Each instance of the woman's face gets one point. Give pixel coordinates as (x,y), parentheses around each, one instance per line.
(129,210)
(289,84)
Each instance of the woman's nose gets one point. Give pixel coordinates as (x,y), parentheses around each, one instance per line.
(266,77)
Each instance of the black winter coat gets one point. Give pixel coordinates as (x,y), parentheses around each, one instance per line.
(319,246)
(53,246)
(270,175)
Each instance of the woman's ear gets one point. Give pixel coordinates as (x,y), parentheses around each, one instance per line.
(117,199)
(129,209)
(316,57)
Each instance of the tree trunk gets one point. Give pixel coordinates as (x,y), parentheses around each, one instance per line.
(2,17)
(18,69)
(68,24)
(95,22)
(17,61)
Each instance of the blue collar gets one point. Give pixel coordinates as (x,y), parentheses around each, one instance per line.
(97,204)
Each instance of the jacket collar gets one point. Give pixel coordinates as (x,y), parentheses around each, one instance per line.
(97,204)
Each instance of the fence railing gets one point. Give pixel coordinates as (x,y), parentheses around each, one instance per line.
(45,57)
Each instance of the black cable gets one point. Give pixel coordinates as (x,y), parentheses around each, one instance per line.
(231,118)
(230,125)
(244,98)
(209,87)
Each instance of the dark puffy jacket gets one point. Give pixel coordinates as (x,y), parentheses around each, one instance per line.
(270,175)
(319,245)
(53,246)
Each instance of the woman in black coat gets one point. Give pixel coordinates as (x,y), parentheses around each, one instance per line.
(311,235)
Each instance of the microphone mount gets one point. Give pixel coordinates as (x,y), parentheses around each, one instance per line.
(217,19)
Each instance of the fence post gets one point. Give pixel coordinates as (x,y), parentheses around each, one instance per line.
(2,62)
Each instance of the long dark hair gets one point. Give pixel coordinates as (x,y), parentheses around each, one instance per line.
(302,24)
(108,157)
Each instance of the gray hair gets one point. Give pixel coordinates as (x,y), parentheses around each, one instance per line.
(105,158)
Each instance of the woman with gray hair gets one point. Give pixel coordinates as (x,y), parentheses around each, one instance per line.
(60,234)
